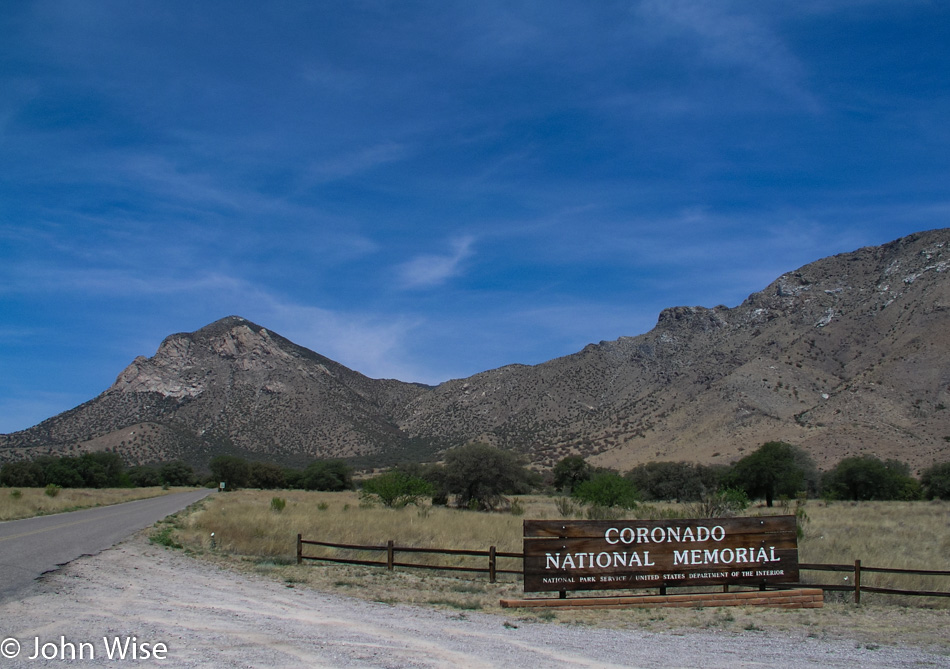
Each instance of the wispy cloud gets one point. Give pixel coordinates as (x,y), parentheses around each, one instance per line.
(431,270)
(357,161)
(730,38)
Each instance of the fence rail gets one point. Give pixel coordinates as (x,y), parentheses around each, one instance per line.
(856,570)
(391,549)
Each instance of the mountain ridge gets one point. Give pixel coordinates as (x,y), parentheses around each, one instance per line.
(845,356)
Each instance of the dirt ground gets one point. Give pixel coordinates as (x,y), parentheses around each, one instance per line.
(153,598)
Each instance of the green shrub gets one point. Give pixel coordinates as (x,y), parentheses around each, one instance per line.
(396,489)
(52,490)
(866,477)
(679,481)
(16,494)
(607,489)
(163,537)
(278,504)
(719,504)
(330,475)
(22,473)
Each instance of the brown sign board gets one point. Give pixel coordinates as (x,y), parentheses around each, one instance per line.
(625,554)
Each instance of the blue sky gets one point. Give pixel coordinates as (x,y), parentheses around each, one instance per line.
(426,190)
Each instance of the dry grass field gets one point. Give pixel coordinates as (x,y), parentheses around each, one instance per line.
(251,536)
(907,535)
(16,503)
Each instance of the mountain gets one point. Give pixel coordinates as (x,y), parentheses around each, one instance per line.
(845,356)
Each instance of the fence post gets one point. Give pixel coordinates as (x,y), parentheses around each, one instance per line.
(491,564)
(857,581)
(299,548)
(390,553)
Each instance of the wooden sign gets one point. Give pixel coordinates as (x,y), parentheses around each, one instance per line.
(621,554)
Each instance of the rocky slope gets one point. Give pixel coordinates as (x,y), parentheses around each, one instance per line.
(847,355)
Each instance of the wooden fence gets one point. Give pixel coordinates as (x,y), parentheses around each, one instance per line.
(390,549)
(857,570)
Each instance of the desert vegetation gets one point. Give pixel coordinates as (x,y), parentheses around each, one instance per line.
(249,530)
(18,503)
(479,476)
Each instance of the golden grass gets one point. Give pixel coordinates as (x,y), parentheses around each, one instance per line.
(896,535)
(910,535)
(251,536)
(35,502)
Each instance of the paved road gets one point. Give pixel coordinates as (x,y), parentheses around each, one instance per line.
(34,546)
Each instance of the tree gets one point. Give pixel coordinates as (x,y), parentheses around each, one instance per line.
(332,475)
(176,473)
(607,489)
(680,481)
(775,468)
(233,471)
(266,476)
(62,472)
(936,481)
(480,475)
(570,471)
(101,470)
(396,489)
(22,474)
(865,477)
(144,476)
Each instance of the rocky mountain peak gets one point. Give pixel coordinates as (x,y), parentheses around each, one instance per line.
(845,356)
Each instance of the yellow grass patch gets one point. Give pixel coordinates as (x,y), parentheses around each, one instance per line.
(18,503)
(904,535)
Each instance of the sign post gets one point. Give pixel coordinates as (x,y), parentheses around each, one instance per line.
(562,555)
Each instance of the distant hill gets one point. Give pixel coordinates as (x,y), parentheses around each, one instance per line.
(847,355)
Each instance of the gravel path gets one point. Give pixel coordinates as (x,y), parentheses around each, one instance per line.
(208,616)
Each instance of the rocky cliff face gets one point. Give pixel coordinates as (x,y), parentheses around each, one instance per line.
(847,355)
(231,387)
